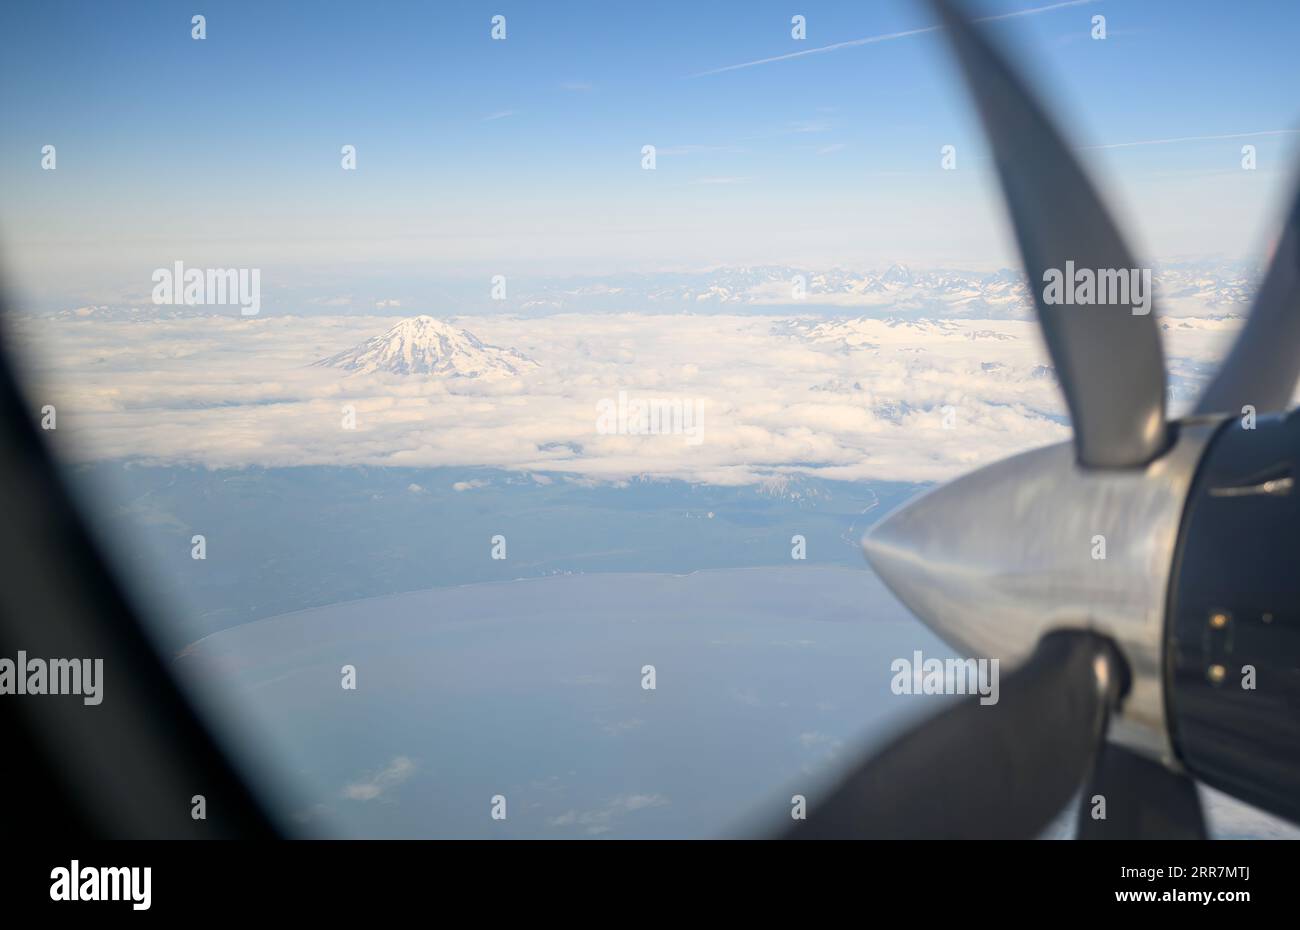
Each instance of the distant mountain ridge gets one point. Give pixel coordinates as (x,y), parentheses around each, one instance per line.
(1196,289)
(1190,289)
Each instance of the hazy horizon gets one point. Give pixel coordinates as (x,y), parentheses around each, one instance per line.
(824,151)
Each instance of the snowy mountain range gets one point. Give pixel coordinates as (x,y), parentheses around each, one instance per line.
(1192,289)
(423,345)
(867,332)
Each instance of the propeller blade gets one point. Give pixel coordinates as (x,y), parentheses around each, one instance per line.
(1143,801)
(974,771)
(1262,367)
(1107,357)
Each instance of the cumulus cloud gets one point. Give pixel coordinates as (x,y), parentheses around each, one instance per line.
(602,819)
(374,786)
(820,744)
(739,399)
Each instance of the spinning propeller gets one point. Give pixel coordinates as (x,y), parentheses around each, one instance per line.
(1177,656)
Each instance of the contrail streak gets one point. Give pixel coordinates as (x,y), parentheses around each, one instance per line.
(887,37)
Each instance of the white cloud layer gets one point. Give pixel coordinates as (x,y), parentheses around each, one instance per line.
(843,399)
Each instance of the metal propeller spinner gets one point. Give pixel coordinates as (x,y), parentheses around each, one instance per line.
(1125,667)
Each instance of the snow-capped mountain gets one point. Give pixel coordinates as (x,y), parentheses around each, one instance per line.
(423,345)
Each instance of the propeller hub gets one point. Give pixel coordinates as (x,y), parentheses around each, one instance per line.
(1033,543)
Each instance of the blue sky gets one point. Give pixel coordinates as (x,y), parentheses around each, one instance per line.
(479,156)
